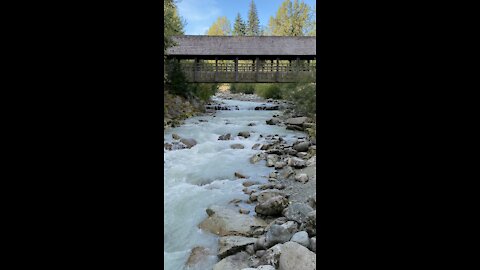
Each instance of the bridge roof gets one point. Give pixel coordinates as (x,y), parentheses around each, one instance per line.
(211,46)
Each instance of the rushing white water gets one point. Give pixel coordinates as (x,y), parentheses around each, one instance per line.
(204,175)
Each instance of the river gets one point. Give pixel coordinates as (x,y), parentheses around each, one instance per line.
(204,175)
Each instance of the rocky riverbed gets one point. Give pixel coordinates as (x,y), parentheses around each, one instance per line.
(240,188)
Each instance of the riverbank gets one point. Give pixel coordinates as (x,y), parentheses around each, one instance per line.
(273,222)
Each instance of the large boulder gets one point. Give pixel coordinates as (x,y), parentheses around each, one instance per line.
(224,221)
(297,162)
(278,234)
(298,121)
(271,160)
(229,245)
(272,256)
(238,261)
(297,212)
(189,143)
(301,147)
(272,207)
(296,257)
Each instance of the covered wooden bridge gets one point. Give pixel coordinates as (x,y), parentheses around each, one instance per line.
(228,59)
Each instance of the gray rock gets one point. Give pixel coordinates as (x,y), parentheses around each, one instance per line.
(250,183)
(297,162)
(301,147)
(243,211)
(189,143)
(297,212)
(272,207)
(197,255)
(287,172)
(256,146)
(224,221)
(224,137)
(296,121)
(272,175)
(302,178)
(311,223)
(272,256)
(312,201)
(312,161)
(229,245)
(244,134)
(249,249)
(273,121)
(176,136)
(278,234)
(313,244)
(235,262)
(271,160)
(239,175)
(269,193)
(280,164)
(301,238)
(260,253)
(237,146)
(296,257)
(257,157)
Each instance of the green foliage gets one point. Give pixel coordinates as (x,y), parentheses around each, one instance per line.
(293,19)
(269,90)
(173,25)
(253,27)
(204,90)
(303,96)
(221,27)
(176,79)
(239,28)
(246,88)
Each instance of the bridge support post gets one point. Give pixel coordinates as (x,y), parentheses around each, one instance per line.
(216,69)
(195,65)
(256,69)
(236,69)
(297,68)
(276,73)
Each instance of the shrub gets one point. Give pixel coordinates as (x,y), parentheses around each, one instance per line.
(269,90)
(246,88)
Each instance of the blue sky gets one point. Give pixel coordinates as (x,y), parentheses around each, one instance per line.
(200,14)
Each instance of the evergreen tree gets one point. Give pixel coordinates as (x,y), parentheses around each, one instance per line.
(253,28)
(239,28)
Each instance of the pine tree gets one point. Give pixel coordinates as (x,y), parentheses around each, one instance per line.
(239,28)
(253,28)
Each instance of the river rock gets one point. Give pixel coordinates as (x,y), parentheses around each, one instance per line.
(298,121)
(278,234)
(223,221)
(295,127)
(297,212)
(243,211)
(272,207)
(229,245)
(301,147)
(224,137)
(237,146)
(302,178)
(296,257)
(301,238)
(273,121)
(297,162)
(233,262)
(239,175)
(271,160)
(272,256)
(244,134)
(176,136)
(312,201)
(188,142)
(263,196)
(168,146)
(280,164)
(312,161)
(261,267)
(250,183)
(197,255)
(311,223)
(256,146)
(257,157)
(313,244)
(272,175)
(287,172)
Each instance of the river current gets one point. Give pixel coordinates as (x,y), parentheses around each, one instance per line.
(202,176)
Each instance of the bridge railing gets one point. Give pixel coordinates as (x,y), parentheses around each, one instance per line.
(248,72)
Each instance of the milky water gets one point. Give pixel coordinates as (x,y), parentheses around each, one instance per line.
(202,176)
